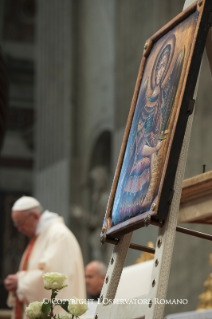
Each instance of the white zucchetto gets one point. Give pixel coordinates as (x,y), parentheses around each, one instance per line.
(25,202)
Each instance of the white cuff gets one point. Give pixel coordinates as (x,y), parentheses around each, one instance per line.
(19,292)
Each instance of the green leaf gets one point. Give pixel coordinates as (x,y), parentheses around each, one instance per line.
(64,305)
(46,308)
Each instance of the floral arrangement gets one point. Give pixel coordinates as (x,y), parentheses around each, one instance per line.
(45,310)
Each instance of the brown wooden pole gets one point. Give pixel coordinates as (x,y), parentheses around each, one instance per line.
(193,233)
(179,229)
(132,246)
(142,248)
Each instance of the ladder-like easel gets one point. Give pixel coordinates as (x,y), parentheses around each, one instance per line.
(164,245)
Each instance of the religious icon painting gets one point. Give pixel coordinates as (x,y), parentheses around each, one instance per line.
(162,102)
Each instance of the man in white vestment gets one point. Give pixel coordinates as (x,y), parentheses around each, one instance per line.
(52,248)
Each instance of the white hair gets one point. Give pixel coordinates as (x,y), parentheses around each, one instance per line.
(101,267)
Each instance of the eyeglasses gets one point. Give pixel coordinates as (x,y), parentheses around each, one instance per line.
(21,223)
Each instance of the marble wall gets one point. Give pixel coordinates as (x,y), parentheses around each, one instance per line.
(53,105)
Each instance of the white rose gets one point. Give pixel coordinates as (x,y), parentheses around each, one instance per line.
(76,307)
(53,280)
(34,310)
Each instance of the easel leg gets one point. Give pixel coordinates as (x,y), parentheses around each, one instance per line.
(163,254)
(165,240)
(114,270)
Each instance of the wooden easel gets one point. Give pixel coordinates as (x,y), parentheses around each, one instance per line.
(163,250)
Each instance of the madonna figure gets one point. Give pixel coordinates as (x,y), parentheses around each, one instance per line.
(137,185)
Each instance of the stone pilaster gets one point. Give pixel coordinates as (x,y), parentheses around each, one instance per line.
(53,105)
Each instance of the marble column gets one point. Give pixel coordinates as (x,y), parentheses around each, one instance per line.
(53,105)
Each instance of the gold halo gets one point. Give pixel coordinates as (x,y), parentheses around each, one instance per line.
(170,40)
